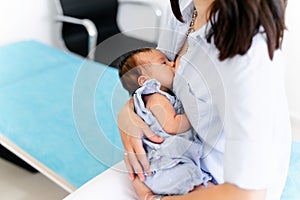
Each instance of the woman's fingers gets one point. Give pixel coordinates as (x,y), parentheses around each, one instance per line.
(132,128)
(129,166)
(143,160)
(148,133)
(135,158)
(136,165)
(142,190)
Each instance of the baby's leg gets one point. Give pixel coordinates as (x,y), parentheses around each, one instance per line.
(177,180)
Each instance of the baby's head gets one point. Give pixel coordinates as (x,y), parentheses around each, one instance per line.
(144,64)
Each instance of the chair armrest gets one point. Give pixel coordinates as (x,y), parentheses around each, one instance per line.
(91,30)
(157,9)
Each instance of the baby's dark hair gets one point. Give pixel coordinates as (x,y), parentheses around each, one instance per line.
(129,70)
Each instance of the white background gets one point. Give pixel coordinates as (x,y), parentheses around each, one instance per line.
(291,47)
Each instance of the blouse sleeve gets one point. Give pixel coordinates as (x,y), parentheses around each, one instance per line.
(255,107)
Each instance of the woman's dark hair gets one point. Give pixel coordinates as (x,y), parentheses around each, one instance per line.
(235,22)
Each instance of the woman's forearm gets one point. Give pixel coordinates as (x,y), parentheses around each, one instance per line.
(224,191)
(132,128)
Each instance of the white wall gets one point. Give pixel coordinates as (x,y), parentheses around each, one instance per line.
(26,19)
(291,47)
(35,19)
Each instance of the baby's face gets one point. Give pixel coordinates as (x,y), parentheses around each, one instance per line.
(160,67)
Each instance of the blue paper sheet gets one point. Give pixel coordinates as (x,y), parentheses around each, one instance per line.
(66,123)
(292,186)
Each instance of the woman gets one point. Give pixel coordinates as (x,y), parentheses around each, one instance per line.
(230,80)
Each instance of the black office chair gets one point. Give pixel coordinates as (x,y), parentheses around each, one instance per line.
(88,23)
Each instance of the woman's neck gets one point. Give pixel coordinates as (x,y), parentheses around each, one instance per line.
(202,7)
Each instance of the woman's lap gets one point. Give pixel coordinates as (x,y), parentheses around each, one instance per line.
(111,184)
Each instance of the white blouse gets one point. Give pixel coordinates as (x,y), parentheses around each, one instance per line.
(238,106)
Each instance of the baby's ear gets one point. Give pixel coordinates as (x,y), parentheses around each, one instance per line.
(141,80)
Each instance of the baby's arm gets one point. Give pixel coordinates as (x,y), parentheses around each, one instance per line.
(164,112)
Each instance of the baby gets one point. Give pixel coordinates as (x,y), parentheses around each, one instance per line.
(147,75)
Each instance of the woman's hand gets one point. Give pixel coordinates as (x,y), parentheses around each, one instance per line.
(132,128)
(142,190)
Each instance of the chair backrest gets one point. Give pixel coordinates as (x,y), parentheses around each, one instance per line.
(102,12)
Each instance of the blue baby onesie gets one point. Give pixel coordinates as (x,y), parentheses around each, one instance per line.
(174,163)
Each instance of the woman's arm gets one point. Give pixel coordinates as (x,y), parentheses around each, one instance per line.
(164,112)
(224,191)
(132,128)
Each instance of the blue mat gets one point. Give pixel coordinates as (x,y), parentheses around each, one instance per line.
(292,186)
(62,110)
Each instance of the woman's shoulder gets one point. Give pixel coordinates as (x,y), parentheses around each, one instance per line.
(186,8)
(185,3)
(257,57)
(253,68)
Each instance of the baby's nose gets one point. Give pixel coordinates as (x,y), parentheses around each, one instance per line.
(172,64)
